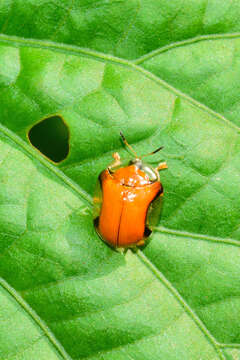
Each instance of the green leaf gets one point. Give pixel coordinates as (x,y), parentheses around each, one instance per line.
(24,335)
(232,354)
(68,294)
(206,68)
(128,29)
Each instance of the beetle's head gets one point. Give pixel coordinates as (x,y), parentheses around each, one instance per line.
(147,169)
(152,174)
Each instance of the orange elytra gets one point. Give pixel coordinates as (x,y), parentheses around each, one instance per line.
(128,201)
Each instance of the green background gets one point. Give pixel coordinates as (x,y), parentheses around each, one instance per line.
(164,73)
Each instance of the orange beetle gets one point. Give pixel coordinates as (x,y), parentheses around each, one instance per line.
(129,195)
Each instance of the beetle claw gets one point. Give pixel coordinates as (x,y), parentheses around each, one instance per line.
(161,166)
(140,243)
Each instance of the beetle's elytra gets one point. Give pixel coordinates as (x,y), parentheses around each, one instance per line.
(128,201)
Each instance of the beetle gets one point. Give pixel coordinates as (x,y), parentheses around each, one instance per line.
(126,200)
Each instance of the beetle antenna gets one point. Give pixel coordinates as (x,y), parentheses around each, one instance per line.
(129,146)
(153,152)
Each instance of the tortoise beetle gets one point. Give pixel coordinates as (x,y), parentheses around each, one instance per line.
(128,201)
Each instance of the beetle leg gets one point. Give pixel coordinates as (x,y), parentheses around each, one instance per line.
(161,166)
(135,248)
(121,250)
(140,243)
(116,162)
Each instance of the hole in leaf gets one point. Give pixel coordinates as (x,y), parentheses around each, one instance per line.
(51,138)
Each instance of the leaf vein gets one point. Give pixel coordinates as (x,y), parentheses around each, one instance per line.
(35,318)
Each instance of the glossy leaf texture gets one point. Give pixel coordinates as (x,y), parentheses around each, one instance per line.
(164,73)
(206,68)
(128,29)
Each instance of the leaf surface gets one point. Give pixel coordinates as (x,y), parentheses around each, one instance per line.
(73,296)
(128,29)
(24,335)
(96,302)
(206,68)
